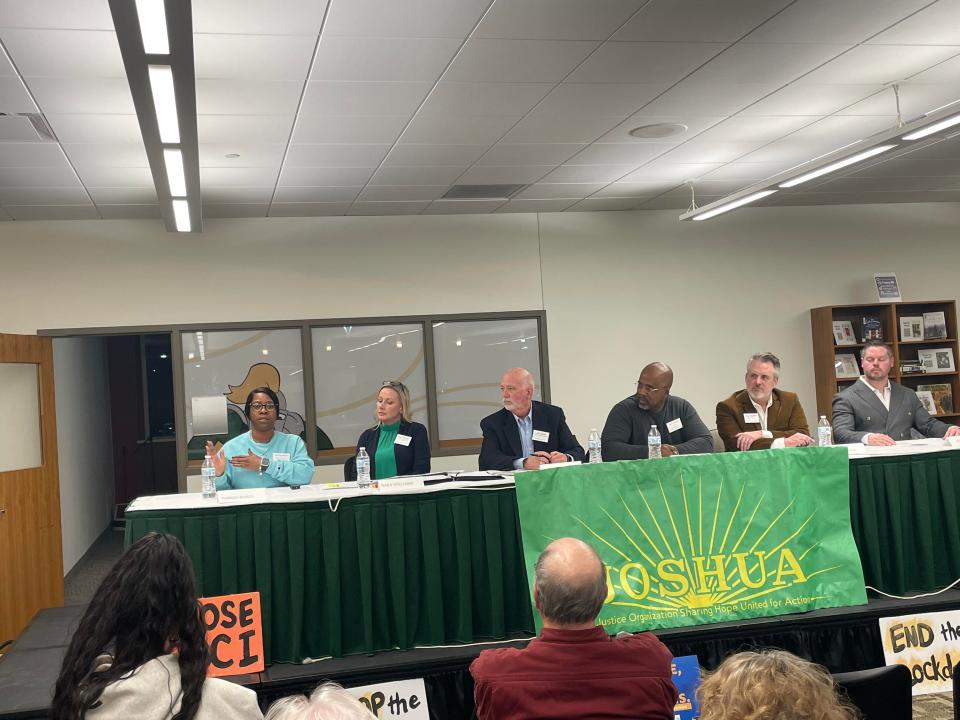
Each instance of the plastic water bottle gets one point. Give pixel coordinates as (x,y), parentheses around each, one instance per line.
(363,469)
(653,443)
(208,473)
(593,446)
(824,432)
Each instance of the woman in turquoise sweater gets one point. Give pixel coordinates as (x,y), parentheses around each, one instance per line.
(396,445)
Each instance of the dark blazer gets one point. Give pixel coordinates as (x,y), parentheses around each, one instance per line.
(784,418)
(412,459)
(501,437)
(857,411)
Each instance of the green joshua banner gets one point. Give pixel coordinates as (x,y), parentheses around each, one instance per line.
(704,538)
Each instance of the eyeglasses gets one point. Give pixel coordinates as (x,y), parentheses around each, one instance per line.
(262,406)
(392,384)
(648,388)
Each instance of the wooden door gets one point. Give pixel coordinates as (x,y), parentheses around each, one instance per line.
(31,556)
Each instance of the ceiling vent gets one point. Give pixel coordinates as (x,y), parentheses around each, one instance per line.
(482,192)
(25,127)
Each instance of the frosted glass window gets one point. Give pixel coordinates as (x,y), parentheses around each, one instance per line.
(231,363)
(471,357)
(350,364)
(21,442)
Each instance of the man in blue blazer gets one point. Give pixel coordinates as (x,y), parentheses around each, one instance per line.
(525,434)
(875,411)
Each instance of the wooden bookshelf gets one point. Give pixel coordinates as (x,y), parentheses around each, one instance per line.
(825,349)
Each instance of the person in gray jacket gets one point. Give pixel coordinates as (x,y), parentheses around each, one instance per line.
(682,431)
(875,411)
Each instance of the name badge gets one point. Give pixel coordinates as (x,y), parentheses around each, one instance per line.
(541,436)
(674,425)
(280,456)
(402,440)
(751,417)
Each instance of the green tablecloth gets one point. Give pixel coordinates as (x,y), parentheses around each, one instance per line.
(381,572)
(905,515)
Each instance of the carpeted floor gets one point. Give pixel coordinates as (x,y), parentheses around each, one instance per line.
(84,577)
(936,706)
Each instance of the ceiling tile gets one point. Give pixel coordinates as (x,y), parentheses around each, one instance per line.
(52,212)
(504,174)
(691,98)
(830,21)
(604,204)
(57,95)
(775,64)
(250,176)
(599,98)
(947,72)
(75,195)
(246,129)
(635,189)
(414,18)
(95,128)
(742,128)
(123,195)
(129,212)
(306,209)
(620,153)
(535,61)
(389,58)
(234,210)
(349,129)
(937,24)
(695,125)
(709,151)
(363,98)
(434,155)
(287,194)
(675,202)
(542,191)
(96,176)
(539,205)
(548,128)
(72,14)
(252,57)
(879,64)
(643,62)
(588,173)
(236,195)
(461,130)
(107,154)
(698,20)
(811,100)
(555,19)
(456,98)
(671,171)
(402,192)
(316,177)
(251,17)
(31,155)
(336,155)
(388,208)
(412,175)
(551,154)
(61,176)
(251,155)
(821,137)
(745,172)
(915,101)
(18,128)
(247,97)
(462,207)
(79,53)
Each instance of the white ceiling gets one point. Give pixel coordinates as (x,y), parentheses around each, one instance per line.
(379,106)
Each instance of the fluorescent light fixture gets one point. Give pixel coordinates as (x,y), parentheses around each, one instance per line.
(153,27)
(173,159)
(164,102)
(826,169)
(734,205)
(181,214)
(935,128)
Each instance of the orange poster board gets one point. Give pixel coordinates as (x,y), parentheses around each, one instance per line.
(234,633)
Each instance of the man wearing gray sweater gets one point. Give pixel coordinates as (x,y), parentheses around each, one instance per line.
(628,424)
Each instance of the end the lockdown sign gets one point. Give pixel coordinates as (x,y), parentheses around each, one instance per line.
(705,538)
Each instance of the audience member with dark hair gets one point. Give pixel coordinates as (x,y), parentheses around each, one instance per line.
(328,701)
(574,669)
(140,652)
(771,685)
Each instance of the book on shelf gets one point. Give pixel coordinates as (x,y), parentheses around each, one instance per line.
(936,359)
(888,290)
(926,399)
(911,328)
(843,333)
(934,325)
(846,365)
(911,368)
(942,396)
(872,328)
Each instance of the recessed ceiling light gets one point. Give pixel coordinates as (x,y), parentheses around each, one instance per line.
(232,156)
(658,131)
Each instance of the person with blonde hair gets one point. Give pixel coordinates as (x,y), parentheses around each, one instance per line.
(396,444)
(328,701)
(771,685)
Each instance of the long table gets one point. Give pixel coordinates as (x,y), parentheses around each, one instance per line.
(343,573)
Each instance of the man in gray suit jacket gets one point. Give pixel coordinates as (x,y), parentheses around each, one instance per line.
(875,411)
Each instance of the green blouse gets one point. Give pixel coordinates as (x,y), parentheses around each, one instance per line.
(385,464)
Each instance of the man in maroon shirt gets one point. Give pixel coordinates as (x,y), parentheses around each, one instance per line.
(574,669)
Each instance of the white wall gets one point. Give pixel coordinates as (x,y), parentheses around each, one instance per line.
(620,289)
(83,443)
